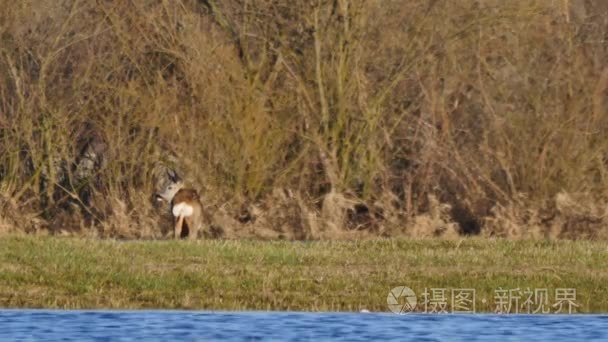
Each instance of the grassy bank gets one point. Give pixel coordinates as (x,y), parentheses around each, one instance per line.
(236,275)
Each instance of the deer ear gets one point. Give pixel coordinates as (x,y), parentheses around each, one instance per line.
(172,175)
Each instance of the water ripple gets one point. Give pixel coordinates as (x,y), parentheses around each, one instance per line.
(49,325)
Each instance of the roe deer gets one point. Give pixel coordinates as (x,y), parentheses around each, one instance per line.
(186,207)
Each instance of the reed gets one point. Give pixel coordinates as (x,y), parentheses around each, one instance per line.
(340,119)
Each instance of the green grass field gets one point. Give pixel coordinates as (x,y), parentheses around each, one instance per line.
(45,272)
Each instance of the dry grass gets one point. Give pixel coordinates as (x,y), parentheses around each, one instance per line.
(340,119)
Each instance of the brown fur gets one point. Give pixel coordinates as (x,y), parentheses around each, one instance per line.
(189,225)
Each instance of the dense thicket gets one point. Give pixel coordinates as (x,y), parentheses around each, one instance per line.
(307,119)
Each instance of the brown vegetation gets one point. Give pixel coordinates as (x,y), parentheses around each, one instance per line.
(307,119)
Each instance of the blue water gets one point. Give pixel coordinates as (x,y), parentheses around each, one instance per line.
(47,325)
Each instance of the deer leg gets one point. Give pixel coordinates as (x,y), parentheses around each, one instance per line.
(192,228)
(177,230)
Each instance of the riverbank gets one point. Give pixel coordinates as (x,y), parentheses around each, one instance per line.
(49,272)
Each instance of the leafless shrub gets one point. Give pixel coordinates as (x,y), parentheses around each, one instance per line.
(381,118)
